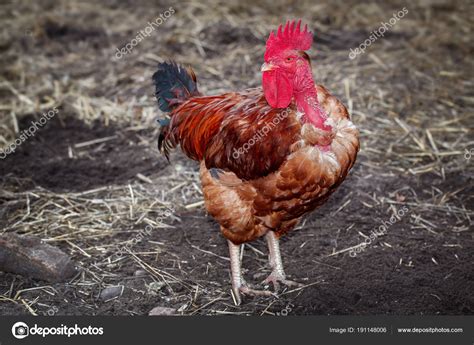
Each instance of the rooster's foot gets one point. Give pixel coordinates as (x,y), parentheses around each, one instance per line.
(239,286)
(246,290)
(276,278)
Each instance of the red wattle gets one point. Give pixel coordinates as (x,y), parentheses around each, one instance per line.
(277,89)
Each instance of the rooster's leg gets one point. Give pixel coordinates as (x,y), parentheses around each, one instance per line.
(274,256)
(239,286)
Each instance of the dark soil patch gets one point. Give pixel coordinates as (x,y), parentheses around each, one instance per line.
(45,158)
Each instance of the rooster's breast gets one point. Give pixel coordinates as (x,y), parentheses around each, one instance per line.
(309,174)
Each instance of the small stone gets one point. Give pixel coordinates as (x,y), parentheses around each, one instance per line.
(155,287)
(162,311)
(28,256)
(139,273)
(111,292)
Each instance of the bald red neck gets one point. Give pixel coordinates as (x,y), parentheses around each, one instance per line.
(306,98)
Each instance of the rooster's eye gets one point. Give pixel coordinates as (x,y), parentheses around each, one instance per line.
(288,59)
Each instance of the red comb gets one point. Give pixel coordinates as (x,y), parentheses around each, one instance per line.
(290,38)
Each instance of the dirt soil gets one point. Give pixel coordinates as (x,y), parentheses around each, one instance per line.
(408,95)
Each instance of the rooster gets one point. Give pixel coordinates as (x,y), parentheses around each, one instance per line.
(268,155)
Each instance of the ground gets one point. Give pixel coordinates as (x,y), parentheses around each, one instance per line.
(409,93)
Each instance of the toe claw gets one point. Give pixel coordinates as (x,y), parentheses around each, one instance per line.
(273,281)
(276,279)
(245,290)
(236,296)
(251,292)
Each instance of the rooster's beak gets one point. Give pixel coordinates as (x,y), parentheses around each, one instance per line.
(267,67)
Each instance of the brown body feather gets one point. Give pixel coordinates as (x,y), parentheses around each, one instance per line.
(272,181)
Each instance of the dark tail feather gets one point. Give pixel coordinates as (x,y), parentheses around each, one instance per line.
(164,145)
(173,84)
